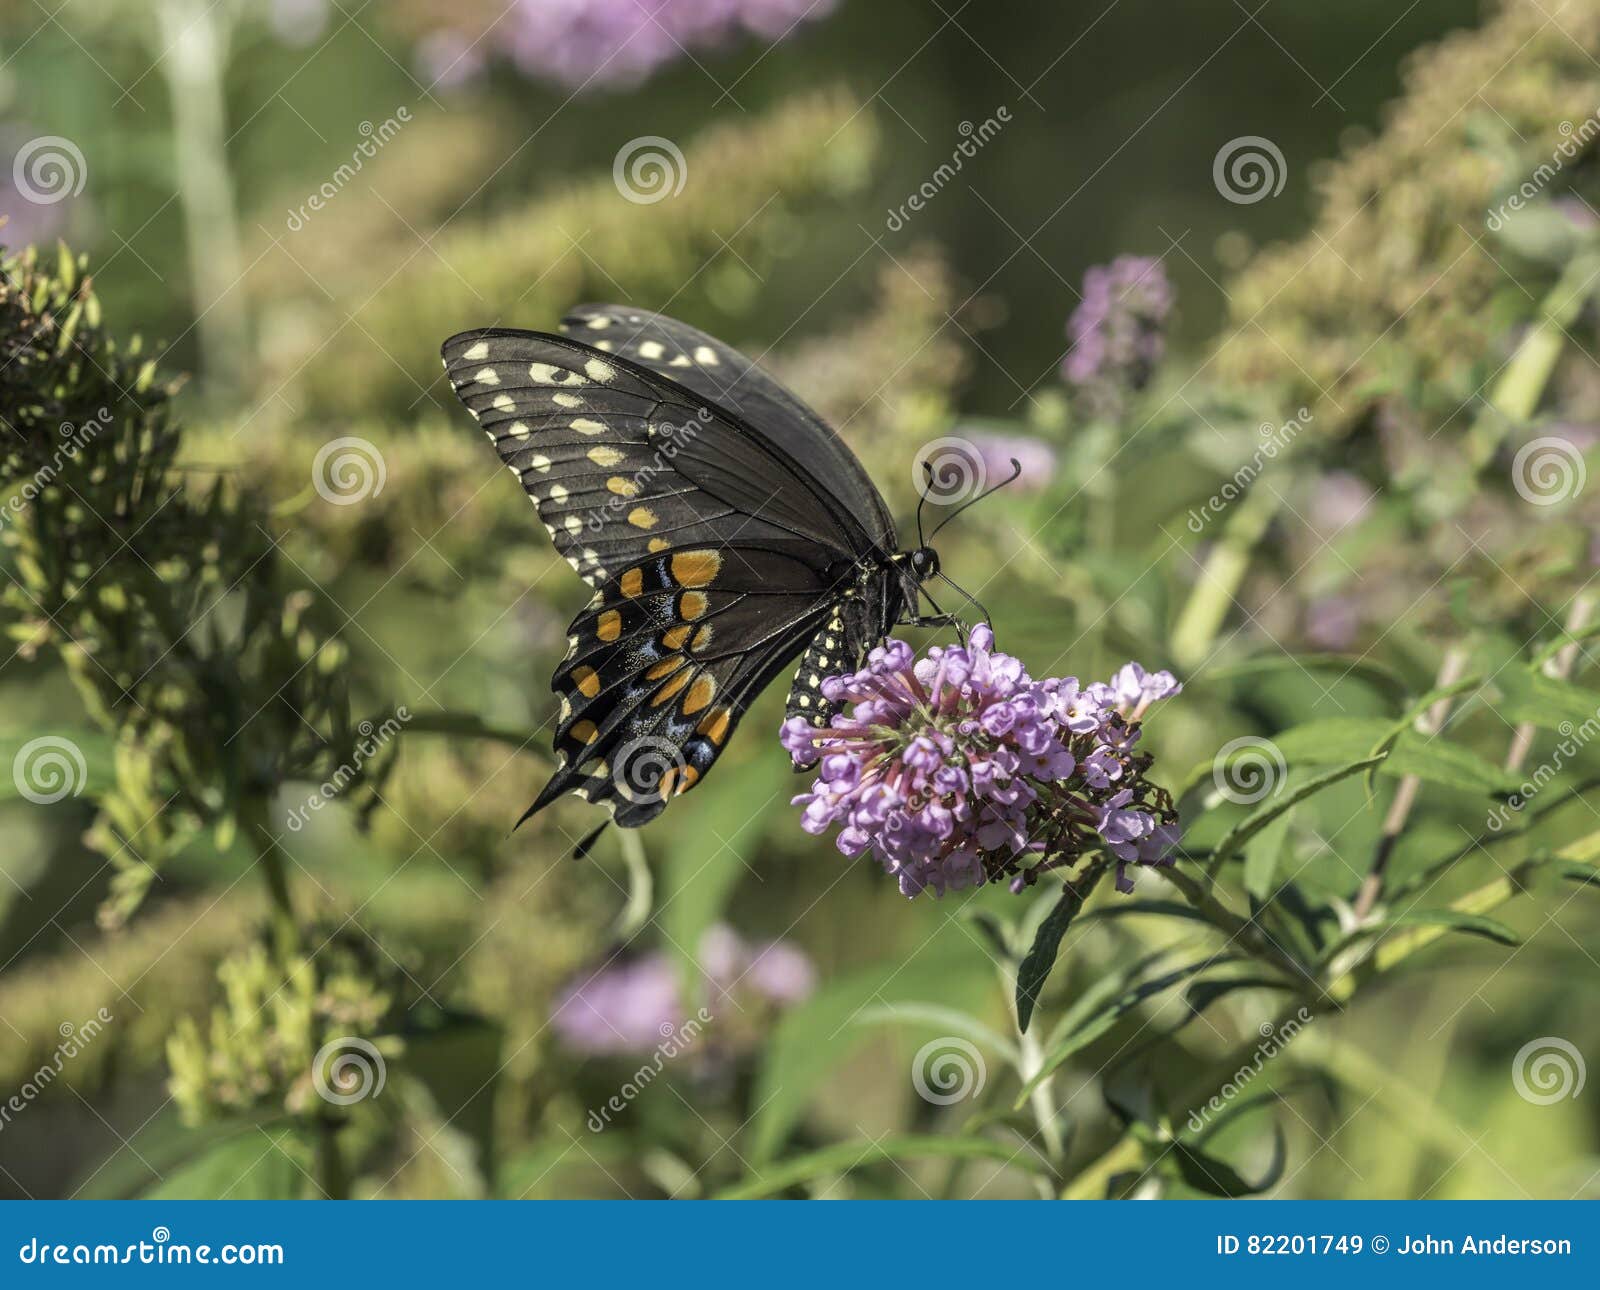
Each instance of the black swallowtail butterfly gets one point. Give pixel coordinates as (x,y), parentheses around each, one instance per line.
(724,525)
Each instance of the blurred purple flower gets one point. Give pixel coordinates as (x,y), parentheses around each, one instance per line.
(621,42)
(450,59)
(1036,457)
(631,1006)
(29,219)
(958,768)
(1118,331)
(1332,622)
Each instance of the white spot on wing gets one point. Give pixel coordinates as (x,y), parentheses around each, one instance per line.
(476,352)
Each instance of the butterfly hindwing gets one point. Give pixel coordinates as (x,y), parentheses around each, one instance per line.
(661,666)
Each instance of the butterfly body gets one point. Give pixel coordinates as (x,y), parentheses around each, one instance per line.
(724,526)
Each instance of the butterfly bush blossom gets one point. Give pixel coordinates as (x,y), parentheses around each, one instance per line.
(958,768)
(1118,331)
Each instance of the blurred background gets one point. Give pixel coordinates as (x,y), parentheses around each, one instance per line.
(1287,312)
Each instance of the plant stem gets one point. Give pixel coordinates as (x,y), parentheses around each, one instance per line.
(1224,570)
(1405,797)
(275,873)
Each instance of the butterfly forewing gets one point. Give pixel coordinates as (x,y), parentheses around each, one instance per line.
(716,555)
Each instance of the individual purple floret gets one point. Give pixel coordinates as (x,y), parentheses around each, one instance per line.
(1118,331)
(959,768)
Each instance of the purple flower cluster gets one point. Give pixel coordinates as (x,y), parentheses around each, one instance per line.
(578,43)
(1118,331)
(631,1006)
(959,768)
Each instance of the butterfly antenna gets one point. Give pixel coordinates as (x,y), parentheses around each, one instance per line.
(1016,471)
(922,500)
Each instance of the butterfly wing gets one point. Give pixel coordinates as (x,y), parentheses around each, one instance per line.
(715,554)
(722,374)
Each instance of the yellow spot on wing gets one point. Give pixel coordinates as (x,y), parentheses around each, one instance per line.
(610,625)
(599,370)
(702,638)
(642,517)
(587,425)
(659,544)
(604,456)
(671,687)
(666,667)
(695,568)
(585,732)
(674,637)
(587,680)
(700,694)
(632,583)
(622,487)
(692,604)
(566,400)
(714,725)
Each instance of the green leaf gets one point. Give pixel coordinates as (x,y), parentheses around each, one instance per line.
(1548,702)
(939,1017)
(1375,674)
(845,1156)
(1205,1173)
(1472,924)
(1262,854)
(1440,762)
(1036,964)
(1113,1010)
(258,1164)
(1274,806)
(815,1037)
(1332,742)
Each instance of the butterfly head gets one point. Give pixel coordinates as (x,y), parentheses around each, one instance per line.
(924,562)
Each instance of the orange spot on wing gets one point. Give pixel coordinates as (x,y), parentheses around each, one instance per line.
(674,637)
(692,604)
(585,732)
(587,680)
(666,667)
(632,583)
(695,568)
(610,625)
(714,725)
(700,694)
(671,687)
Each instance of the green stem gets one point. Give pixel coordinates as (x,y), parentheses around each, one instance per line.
(257,824)
(1224,571)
